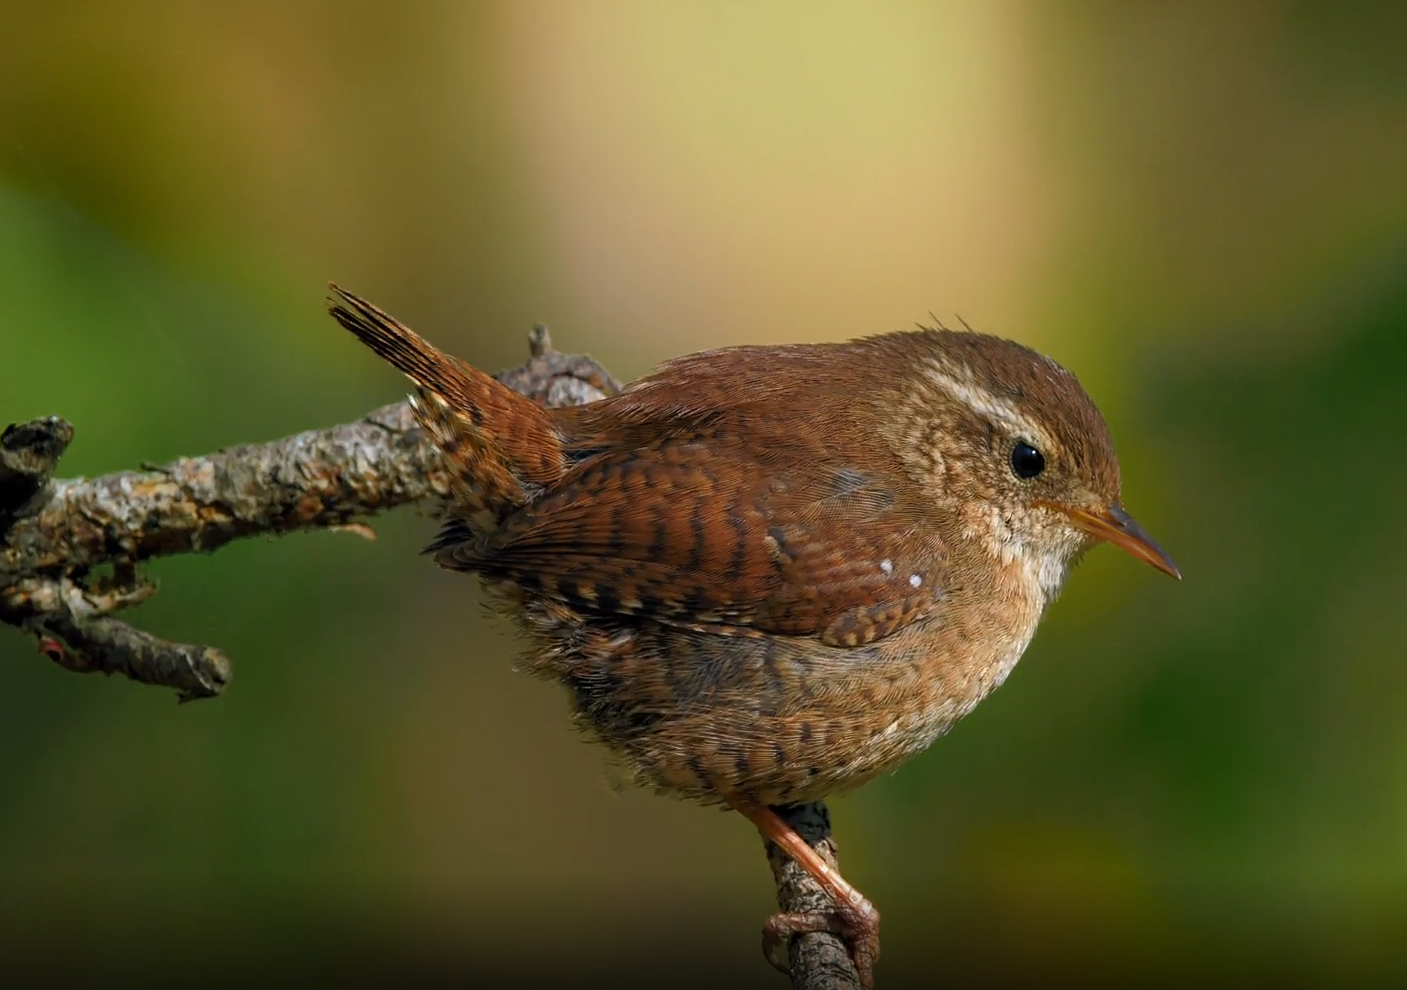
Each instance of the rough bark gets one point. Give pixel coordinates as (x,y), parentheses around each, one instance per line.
(71,551)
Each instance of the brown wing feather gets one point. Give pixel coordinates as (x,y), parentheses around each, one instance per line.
(694,528)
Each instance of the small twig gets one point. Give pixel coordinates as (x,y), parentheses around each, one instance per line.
(76,633)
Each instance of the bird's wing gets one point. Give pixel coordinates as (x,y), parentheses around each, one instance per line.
(738,537)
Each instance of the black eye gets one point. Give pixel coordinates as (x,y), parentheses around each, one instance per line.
(1026,460)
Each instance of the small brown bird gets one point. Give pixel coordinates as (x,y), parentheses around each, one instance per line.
(768,574)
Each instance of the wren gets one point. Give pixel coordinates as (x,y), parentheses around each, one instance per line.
(766,574)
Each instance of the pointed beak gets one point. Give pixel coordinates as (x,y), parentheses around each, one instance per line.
(1119,528)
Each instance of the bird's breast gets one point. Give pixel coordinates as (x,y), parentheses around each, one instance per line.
(781,719)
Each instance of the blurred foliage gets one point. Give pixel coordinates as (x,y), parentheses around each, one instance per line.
(1201,209)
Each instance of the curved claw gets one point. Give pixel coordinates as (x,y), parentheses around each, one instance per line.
(776,947)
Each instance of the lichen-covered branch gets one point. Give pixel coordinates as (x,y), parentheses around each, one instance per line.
(77,634)
(69,549)
(70,552)
(197,504)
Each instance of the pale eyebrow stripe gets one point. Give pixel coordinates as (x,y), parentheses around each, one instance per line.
(994,407)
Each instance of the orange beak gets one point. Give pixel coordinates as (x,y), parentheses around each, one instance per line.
(1119,528)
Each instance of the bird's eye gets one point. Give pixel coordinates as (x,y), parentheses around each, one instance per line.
(1026,460)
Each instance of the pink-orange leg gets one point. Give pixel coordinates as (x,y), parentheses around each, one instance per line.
(854,919)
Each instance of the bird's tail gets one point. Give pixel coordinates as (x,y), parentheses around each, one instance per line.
(499,445)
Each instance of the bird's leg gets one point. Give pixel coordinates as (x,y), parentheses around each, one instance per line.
(854,918)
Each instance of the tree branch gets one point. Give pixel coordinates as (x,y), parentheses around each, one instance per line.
(70,550)
(818,961)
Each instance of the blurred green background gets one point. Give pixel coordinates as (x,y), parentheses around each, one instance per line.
(1201,209)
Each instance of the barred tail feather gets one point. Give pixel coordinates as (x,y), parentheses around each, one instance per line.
(397,344)
(499,442)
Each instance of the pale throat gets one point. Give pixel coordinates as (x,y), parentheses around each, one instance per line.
(1032,573)
(1039,565)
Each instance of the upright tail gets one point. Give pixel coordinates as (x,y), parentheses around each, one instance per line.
(498,443)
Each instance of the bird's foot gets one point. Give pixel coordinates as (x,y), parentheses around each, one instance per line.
(853,917)
(858,924)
